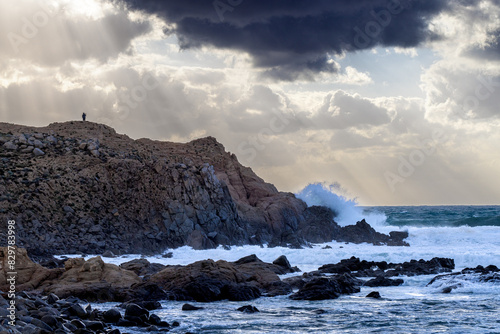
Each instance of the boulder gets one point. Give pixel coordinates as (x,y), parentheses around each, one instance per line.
(208,280)
(248,309)
(29,274)
(374,294)
(189,307)
(383,281)
(322,288)
(92,280)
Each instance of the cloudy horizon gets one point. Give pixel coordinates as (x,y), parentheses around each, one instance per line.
(395,100)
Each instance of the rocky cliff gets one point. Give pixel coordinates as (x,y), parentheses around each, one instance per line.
(81,187)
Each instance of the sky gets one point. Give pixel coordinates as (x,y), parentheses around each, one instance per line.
(396,102)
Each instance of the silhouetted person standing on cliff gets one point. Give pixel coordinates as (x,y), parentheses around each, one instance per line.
(84,116)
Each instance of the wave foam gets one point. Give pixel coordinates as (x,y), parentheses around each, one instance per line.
(347,210)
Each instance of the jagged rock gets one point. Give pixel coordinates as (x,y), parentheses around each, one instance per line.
(363,232)
(383,269)
(383,281)
(208,280)
(322,288)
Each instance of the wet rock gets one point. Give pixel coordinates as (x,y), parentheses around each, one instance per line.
(374,294)
(322,288)
(383,281)
(448,282)
(134,310)
(208,280)
(189,307)
(112,316)
(248,309)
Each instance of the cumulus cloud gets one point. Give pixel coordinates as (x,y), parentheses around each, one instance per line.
(295,40)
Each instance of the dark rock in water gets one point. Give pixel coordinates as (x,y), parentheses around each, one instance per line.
(283,262)
(480,274)
(206,281)
(134,310)
(125,323)
(168,255)
(363,232)
(239,292)
(112,316)
(189,307)
(248,259)
(327,247)
(327,288)
(374,294)
(383,281)
(370,268)
(248,309)
(447,289)
(319,311)
(396,238)
(154,319)
(278,288)
(150,305)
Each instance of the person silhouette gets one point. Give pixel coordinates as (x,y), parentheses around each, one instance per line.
(84,116)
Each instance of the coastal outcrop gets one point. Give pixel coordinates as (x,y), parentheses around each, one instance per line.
(79,187)
(446,283)
(208,280)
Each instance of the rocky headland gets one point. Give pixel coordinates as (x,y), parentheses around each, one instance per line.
(79,187)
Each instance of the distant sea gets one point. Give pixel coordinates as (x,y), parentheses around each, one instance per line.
(468,234)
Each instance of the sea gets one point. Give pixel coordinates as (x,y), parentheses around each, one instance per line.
(468,234)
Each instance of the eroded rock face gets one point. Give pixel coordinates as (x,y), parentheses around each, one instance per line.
(94,190)
(92,280)
(29,274)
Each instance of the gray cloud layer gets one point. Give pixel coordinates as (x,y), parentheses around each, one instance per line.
(293,39)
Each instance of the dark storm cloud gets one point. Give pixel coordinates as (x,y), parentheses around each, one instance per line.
(291,39)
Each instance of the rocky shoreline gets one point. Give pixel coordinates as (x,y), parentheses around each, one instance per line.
(84,189)
(56,300)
